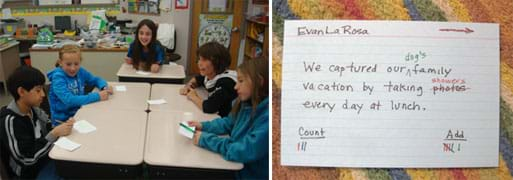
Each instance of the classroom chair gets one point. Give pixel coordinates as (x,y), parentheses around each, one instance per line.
(45,105)
(166,35)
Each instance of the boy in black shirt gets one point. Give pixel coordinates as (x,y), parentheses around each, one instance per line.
(24,137)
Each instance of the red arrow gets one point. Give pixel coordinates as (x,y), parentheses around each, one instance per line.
(466,30)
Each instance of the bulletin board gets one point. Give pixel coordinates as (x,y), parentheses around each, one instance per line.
(150,7)
(111,10)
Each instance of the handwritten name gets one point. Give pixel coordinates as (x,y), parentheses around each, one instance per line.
(342,30)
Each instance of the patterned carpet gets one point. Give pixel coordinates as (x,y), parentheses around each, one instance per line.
(497,11)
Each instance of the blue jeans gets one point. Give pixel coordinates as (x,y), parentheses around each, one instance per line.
(48,171)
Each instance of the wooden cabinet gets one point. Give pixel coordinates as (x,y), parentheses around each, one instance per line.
(9,61)
(256,39)
(103,63)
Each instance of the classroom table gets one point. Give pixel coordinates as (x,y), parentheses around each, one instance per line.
(171,155)
(175,101)
(114,150)
(134,98)
(173,74)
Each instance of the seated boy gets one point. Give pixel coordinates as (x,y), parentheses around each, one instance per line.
(24,137)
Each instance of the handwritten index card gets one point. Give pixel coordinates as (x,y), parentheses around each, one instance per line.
(390,94)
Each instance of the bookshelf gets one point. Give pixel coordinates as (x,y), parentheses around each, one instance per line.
(256,38)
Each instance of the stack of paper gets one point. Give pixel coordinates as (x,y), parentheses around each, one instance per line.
(121,88)
(157,101)
(142,73)
(83,127)
(66,144)
(186,130)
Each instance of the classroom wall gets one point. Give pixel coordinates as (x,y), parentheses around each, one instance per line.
(181,19)
(81,19)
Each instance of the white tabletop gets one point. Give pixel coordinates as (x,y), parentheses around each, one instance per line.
(166,72)
(176,101)
(134,98)
(166,147)
(9,45)
(119,138)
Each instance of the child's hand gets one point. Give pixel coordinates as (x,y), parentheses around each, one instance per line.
(155,68)
(192,94)
(63,129)
(195,124)
(184,90)
(187,88)
(71,120)
(110,90)
(104,95)
(196,137)
(128,60)
(190,85)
